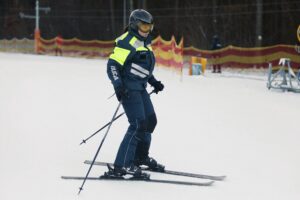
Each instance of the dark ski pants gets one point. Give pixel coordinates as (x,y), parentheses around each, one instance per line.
(142,121)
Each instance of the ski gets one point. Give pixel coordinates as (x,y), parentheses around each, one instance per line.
(177,173)
(174,182)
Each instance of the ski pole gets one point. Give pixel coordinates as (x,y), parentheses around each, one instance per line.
(88,172)
(85,140)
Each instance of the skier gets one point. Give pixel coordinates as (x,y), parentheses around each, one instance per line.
(58,45)
(130,68)
(215,46)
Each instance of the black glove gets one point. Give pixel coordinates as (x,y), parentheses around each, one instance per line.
(158,86)
(121,92)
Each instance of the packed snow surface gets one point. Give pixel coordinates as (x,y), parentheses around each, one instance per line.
(214,124)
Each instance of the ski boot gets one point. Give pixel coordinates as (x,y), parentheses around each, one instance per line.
(151,164)
(114,173)
(137,173)
(120,172)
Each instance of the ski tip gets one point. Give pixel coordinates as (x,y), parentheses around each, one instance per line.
(220,178)
(211,183)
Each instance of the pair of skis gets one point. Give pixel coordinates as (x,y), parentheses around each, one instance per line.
(171,172)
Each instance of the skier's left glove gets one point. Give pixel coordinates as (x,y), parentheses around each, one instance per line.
(158,86)
(121,92)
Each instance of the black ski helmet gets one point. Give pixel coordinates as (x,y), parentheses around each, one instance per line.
(139,16)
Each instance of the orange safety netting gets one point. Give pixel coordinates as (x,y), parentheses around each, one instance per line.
(167,53)
(238,57)
(76,47)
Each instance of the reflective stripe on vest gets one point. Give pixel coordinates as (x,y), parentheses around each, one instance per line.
(121,37)
(139,68)
(120,55)
(135,72)
(137,44)
(139,71)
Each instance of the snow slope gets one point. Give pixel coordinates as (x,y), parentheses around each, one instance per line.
(214,124)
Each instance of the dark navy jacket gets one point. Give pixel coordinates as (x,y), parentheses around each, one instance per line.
(216,44)
(132,62)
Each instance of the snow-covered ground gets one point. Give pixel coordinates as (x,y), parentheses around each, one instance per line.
(223,125)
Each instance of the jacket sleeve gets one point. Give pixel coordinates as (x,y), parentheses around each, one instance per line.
(113,72)
(152,80)
(116,63)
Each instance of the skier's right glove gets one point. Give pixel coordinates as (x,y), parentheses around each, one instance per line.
(121,92)
(158,86)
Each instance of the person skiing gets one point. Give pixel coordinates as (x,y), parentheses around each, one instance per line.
(216,45)
(130,67)
(58,45)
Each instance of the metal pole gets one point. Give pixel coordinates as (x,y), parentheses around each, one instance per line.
(124,13)
(37,17)
(131,6)
(259,19)
(37,33)
(215,16)
(88,172)
(112,18)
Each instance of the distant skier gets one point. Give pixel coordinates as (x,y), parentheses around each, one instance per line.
(58,45)
(216,44)
(130,68)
